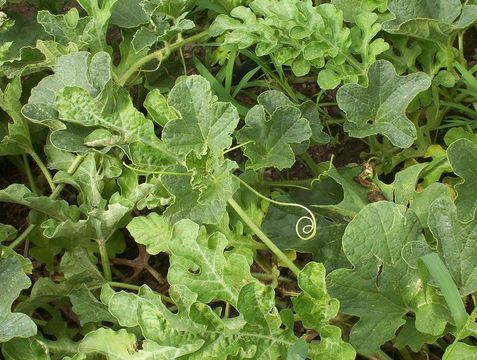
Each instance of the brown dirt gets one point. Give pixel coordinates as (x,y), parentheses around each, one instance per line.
(11,214)
(25,11)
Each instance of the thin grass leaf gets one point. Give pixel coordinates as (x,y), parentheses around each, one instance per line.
(436,268)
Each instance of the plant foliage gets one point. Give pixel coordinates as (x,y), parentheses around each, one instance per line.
(238,179)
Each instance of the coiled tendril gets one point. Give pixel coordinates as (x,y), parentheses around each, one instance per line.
(304,232)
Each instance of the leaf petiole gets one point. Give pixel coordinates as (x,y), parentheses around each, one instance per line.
(103,252)
(308,231)
(44,169)
(159,55)
(237,146)
(266,240)
(152,172)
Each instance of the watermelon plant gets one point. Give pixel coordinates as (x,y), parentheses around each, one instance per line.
(238,179)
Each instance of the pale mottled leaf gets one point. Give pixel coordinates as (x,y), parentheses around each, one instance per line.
(12,281)
(462,155)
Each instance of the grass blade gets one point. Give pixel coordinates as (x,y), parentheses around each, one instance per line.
(442,277)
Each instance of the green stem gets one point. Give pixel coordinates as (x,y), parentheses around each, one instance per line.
(136,288)
(230,71)
(103,252)
(405,354)
(383,356)
(44,170)
(310,163)
(301,184)
(123,285)
(309,230)
(227,311)
(238,146)
(152,172)
(460,40)
(22,236)
(68,347)
(155,274)
(159,55)
(29,175)
(278,253)
(73,167)
(40,322)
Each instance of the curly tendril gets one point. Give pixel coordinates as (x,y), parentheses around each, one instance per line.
(303,231)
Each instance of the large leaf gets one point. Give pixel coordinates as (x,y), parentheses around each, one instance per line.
(352,9)
(123,345)
(152,230)
(96,29)
(436,21)
(126,126)
(380,108)
(79,269)
(325,246)
(271,128)
(456,243)
(14,137)
(129,14)
(304,37)
(57,209)
(205,124)
(67,28)
(373,289)
(201,263)
(196,331)
(462,155)
(12,281)
(78,69)
(25,349)
(403,191)
(193,192)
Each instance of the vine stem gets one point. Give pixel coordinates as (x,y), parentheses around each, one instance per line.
(265,239)
(137,288)
(159,55)
(29,174)
(157,172)
(103,253)
(238,146)
(44,169)
(73,167)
